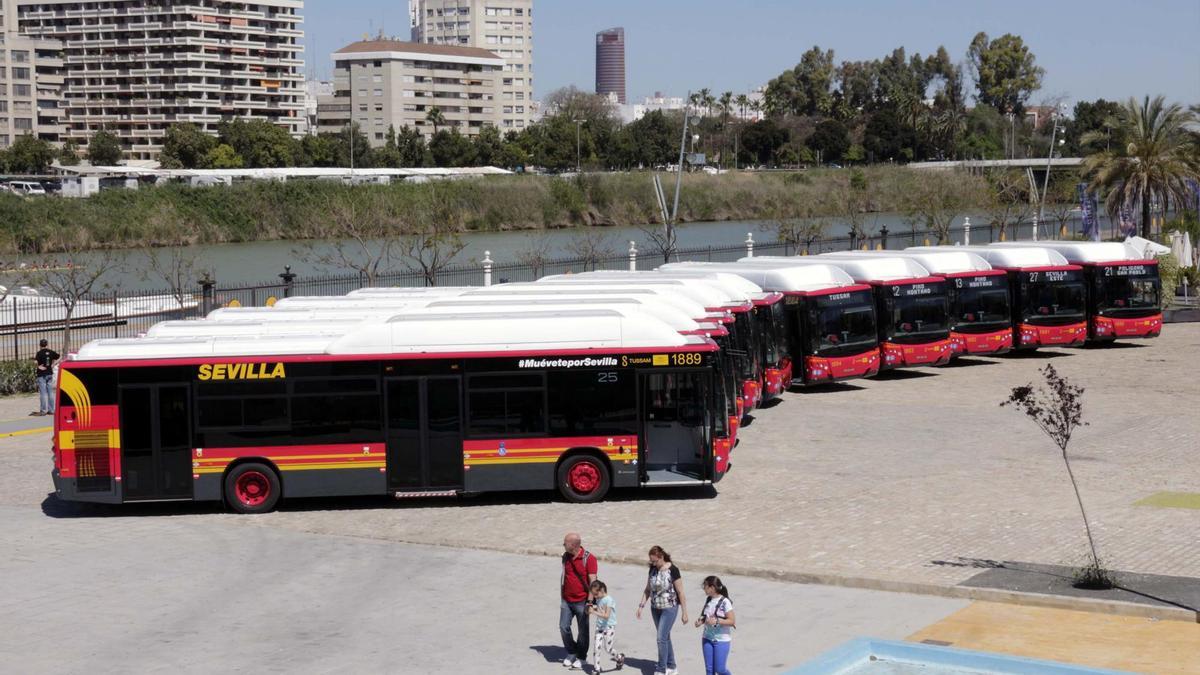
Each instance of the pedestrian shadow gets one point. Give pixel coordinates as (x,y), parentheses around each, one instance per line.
(555,654)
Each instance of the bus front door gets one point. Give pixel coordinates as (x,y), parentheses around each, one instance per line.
(424,433)
(156,452)
(675,438)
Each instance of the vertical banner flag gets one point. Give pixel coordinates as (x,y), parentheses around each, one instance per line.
(1128,226)
(1195,187)
(1087,204)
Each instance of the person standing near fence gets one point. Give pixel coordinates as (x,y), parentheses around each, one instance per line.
(45,359)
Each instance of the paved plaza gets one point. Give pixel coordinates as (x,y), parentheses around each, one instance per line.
(916,479)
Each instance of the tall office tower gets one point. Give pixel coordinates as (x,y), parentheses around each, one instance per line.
(503,27)
(610,63)
(382,84)
(135,67)
(31,80)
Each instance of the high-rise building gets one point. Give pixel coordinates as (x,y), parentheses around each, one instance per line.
(135,67)
(388,83)
(31,81)
(503,27)
(610,63)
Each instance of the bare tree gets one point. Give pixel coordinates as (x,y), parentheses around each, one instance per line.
(357,236)
(591,246)
(535,254)
(1056,407)
(1007,200)
(936,198)
(432,238)
(662,239)
(70,277)
(179,269)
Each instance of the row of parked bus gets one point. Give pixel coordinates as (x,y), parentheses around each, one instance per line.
(580,382)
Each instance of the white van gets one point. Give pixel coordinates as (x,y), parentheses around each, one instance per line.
(26,188)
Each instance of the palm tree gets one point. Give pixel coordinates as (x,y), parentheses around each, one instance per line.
(435,117)
(743,102)
(1156,162)
(756,106)
(726,103)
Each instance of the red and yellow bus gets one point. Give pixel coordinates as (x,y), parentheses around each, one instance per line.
(580,401)
(980,315)
(1124,292)
(1047,294)
(827,323)
(911,306)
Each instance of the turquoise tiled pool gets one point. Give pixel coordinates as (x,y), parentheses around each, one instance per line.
(866,656)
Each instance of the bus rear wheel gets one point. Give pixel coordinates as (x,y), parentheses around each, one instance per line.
(252,488)
(583,479)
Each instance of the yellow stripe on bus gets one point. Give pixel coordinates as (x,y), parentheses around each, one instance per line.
(301,467)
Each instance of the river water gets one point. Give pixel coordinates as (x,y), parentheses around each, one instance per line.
(259,262)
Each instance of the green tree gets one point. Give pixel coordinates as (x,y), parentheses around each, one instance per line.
(68,154)
(317,151)
(832,139)
(984,134)
(104,149)
(411,145)
(223,156)
(30,154)
(805,89)
(489,147)
(387,156)
(886,139)
(761,141)
(1100,116)
(1154,165)
(1005,71)
(450,148)
(260,143)
(341,144)
(185,146)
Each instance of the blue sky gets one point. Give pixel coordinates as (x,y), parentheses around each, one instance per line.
(1090,49)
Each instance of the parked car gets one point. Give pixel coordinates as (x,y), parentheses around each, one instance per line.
(26,188)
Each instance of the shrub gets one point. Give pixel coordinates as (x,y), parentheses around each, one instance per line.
(17,377)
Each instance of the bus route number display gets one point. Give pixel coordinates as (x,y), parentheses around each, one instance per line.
(977,282)
(1052,275)
(1125,271)
(912,290)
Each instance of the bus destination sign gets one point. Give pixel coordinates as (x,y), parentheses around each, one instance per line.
(1126,271)
(914,290)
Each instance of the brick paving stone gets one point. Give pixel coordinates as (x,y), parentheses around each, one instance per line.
(913,477)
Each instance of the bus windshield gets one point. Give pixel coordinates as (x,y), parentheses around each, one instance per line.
(1053,298)
(739,345)
(1127,290)
(918,312)
(727,374)
(842,323)
(980,304)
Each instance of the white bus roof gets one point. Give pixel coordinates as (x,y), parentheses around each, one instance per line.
(1080,251)
(738,287)
(668,295)
(257,326)
(1007,258)
(409,290)
(789,278)
(709,296)
(945,261)
(599,329)
(862,270)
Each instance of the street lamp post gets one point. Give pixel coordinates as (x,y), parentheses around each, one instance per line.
(1055,117)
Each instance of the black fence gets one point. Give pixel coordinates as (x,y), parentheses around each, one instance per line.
(27,318)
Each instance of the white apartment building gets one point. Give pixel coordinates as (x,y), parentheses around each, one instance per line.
(389,83)
(135,67)
(504,27)
(31,81)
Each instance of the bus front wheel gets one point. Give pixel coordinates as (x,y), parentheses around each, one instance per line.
(583,479)
(252,488)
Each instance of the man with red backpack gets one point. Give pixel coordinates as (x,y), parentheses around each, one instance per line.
(578,573)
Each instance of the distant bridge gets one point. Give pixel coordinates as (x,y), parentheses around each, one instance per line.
(976,164)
